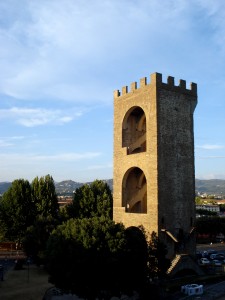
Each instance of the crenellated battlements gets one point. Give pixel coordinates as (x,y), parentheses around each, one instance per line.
(156,79)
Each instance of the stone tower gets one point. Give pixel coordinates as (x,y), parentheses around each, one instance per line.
(154,176)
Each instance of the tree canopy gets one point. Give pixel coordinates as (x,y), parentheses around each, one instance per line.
(84,249)
(45,197)
(157,261)
(90,255)
(211,226)
(82,254)
(17,210)
(29,212)
(92,200)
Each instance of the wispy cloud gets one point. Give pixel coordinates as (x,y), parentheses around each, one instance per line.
(209,147)
(215,15)
(210,157)
(58,55)
(209,176)
(52,50)
(31,117)
(99,167)
(19,137)
(36,158)
(4,143)
(67,157)
(8,141)
(62,165)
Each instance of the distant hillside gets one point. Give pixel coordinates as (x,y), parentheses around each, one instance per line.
(212,186)
(4,187)
(67,187)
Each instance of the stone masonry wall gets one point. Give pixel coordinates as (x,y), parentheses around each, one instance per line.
(167,163)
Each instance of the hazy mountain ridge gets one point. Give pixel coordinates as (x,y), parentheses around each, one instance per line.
(4,187)
(211,186)
(67,187)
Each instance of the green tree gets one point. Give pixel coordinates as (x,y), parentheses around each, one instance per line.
(17,210)
(92,200)
(222,208)
(84,255)
(210,226)
(206,212)
(199,201)
(36,237)
(157,261)
(134,262)
(46,219)
(45,197)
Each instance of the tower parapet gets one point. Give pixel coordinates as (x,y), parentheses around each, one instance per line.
(156,79)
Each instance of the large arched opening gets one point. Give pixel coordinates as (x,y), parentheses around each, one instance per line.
(134,197)
(134,130)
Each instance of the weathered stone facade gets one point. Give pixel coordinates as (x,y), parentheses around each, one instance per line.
(154,176)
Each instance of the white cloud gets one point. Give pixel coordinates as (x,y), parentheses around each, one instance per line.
(66,157)
(19,137)
(63,165)
(9,141)
(30,117)
(53,48)
(210,157)
(215,17)
(55,53)
(209,147)
(208,176)
(99,167)
(27,159)
(4,143)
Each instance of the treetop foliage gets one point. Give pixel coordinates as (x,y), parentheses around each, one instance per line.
(44,195)
(79,247)
(24,203)
(94,200)
(17,210)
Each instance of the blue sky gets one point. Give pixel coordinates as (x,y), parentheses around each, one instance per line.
(61,60)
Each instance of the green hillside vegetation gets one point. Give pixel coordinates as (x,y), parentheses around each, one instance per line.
(212,186)
(67,187)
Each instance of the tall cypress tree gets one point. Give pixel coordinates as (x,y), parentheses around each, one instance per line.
(17,210)
(45,198)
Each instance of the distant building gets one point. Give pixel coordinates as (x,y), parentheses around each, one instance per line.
(209,207)
(64,200)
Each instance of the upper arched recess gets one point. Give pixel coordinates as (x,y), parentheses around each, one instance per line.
(134,130)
